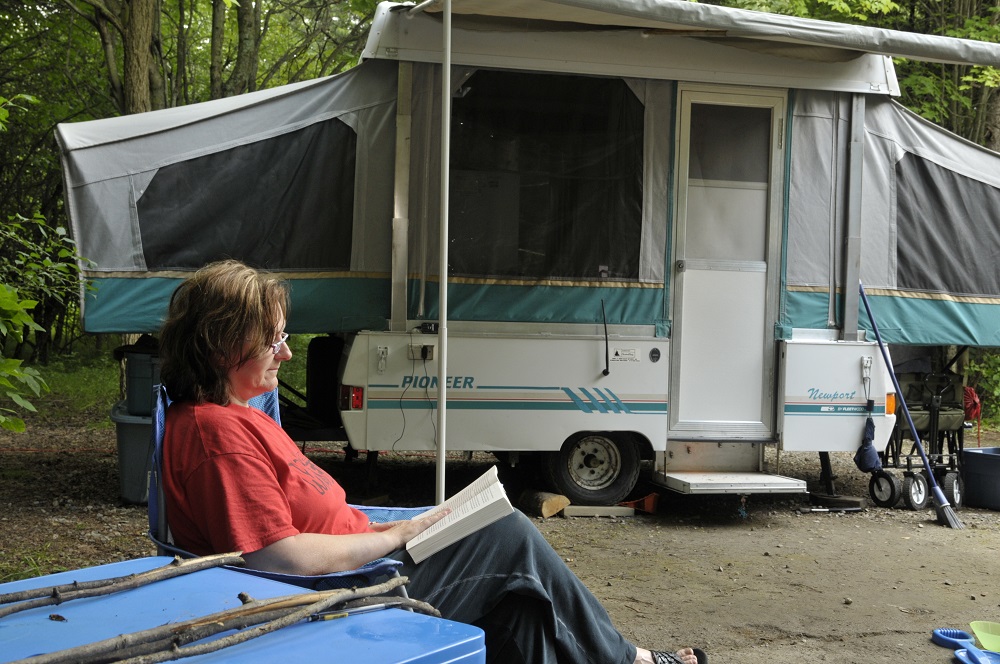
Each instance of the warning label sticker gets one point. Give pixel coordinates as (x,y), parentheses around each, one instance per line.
(625,355)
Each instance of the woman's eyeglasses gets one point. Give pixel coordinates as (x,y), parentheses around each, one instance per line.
(276,346)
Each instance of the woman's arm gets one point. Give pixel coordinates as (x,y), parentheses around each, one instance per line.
(312,554)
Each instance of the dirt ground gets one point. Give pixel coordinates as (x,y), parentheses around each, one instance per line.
(752,583)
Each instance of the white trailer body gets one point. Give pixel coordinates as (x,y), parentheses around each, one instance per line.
(659,215)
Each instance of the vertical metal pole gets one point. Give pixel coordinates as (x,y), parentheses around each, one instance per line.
(401,199)
(852,249)
(443,269)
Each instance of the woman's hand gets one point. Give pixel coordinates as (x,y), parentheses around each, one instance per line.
(410,528)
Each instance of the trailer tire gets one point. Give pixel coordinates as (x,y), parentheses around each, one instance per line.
(594,469)
(885,488)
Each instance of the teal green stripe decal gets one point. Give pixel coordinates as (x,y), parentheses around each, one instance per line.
(457,404)
(618,401)
(612,406)
(597,404)
(830,409)
(576,400)
(516,387)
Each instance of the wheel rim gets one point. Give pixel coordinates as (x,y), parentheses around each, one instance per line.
(954,489)
(882,488)
(594,463)
(918,490)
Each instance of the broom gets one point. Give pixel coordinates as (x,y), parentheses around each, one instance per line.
(945,513)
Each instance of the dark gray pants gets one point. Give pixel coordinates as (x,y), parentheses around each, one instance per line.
(507,580)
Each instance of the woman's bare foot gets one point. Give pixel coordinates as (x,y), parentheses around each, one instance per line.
(683,656)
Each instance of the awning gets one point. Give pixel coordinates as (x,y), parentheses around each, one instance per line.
(690,18)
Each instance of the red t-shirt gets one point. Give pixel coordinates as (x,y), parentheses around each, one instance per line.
(235,481)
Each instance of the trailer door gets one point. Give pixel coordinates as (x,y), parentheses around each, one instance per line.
(726,260)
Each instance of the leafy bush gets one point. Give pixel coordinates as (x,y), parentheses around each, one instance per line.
(16,379)
(984,377)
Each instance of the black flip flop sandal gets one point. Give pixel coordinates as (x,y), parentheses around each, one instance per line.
(670,658)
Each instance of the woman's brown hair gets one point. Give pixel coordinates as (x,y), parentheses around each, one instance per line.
(224,315)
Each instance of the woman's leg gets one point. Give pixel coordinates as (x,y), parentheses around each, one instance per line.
(507,559)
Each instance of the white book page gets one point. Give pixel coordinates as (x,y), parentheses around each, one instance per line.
(484,480)
(491,494)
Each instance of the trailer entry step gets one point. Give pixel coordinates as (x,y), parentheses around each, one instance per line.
(721,482)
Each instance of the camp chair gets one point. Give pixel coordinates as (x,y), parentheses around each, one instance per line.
(159,530)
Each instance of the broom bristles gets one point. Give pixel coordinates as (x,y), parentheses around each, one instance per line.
(945,513)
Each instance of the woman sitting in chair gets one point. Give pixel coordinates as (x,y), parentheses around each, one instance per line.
(234,481)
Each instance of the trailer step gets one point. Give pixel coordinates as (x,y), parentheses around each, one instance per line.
(735,483)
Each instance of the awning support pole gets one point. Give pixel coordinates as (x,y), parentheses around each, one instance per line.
(443,238)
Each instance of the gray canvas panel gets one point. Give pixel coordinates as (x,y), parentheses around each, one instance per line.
(949,230)
(109,148)
(283,204)
(878,211)
(108,164)
(816,182)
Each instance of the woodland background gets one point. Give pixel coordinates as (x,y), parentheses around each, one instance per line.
(75,60)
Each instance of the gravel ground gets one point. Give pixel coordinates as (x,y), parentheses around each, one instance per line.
(749,582)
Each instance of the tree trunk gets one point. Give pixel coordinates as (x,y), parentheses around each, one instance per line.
(179,94)
(218,37)
(242,78)
(992,134)
(138,39)
(111,62)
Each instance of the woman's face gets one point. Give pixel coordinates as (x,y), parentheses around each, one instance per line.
(259,374)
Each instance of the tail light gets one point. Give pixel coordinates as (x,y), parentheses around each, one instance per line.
(352,398)
(890,403)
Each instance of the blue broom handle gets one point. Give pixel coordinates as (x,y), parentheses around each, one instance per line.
(895,384)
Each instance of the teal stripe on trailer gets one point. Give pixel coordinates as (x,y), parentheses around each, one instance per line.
(347,304)
(590,397)
(138,304)
(831,409)
(907,320)
(395,403)
(126,305)
(577,400)
(626,305)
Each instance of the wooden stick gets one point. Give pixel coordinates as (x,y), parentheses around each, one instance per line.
(30,599)
(164,643)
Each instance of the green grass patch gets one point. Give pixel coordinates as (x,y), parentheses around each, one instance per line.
(28,565)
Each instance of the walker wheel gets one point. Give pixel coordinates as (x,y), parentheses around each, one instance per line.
(885,488)
(915,491)
(954,489)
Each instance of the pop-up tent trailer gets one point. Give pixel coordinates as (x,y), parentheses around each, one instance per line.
(658,216)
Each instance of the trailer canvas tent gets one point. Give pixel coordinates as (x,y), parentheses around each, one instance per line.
(659,212)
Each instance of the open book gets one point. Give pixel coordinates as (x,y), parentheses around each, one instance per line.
(474,507)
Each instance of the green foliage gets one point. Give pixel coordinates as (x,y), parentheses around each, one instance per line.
(16,379)
(984,376)
(7,104)
(41,258)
